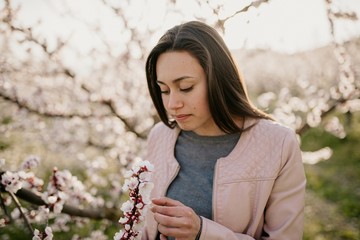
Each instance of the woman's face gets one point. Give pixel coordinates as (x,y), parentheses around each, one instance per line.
(183,88)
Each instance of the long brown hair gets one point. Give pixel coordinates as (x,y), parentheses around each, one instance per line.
(227,93)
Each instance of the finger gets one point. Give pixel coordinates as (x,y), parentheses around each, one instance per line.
(174,232)
(177,211)
(174,222)
(178,227)
(165,201)
(166,221)
(163,237)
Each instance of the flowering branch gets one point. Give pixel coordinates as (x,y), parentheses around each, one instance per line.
(63,186)
(139,186)
(101,213)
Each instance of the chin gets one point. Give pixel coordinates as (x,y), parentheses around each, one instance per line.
(185,127)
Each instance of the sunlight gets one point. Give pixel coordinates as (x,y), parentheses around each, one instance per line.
(288,26)
(282,25)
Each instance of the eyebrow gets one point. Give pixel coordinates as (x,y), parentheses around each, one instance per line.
(175,80)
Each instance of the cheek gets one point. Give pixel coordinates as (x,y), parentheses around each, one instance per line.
(199,100)
(200,106)
(203,103)
(164,99)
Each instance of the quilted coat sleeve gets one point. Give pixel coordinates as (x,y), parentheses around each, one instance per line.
(284,213)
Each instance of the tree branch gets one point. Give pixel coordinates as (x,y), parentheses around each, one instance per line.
(97,214)
(109,103)
(23,104)
(221,22)
(306,126)
(128,126)
(346,71)
(8,19)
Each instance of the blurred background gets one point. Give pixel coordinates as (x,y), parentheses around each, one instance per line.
(73,94)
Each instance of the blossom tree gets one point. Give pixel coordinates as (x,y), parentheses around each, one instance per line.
(73,93)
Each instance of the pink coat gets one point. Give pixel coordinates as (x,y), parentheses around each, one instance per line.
(258,190)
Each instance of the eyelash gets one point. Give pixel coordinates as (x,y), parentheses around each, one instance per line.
(182,90)
(187,89)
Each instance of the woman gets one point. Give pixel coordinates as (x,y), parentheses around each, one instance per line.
(223,169)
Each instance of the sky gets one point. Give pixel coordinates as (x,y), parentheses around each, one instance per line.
(291,25)
(281,25)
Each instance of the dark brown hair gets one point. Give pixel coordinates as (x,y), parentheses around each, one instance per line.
(227,94)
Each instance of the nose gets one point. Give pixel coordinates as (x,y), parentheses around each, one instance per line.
(174,101)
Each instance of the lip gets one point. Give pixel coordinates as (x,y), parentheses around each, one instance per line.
(181,117)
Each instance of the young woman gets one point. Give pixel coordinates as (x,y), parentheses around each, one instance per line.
(223,169)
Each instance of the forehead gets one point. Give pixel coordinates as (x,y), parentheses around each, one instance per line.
(174,64)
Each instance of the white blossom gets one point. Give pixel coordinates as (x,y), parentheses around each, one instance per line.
(127,206)
(123,220)
(2,162)
(139,205)
(134,209)
(128,174)
(11,181)
(42,214)
(148,165)
(37,235)
(52,199)
(132,183)
(49,234)
(14,181)
(58,207)
(60,224)
(145,176)
(30,162)
(2,222)
(118,235)
(15,214)
(145,190)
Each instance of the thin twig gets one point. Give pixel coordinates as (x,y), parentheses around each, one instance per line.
(18,205)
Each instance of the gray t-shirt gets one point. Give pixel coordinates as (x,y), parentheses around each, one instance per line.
(197,156)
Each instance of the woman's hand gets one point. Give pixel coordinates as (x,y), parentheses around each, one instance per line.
(175,219)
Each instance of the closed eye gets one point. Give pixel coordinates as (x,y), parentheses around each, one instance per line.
(164,92)
(187,89)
